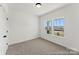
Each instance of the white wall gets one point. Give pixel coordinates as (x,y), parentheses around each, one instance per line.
(3,29)
(23,26)
(71,17)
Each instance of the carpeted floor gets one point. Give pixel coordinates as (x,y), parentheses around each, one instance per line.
(39,46)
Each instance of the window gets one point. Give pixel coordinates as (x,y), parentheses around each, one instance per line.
(49,27)
(58,26)
(55,27)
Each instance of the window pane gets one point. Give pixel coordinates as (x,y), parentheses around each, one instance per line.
(58,26)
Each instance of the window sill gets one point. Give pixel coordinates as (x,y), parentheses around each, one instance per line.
(56,36)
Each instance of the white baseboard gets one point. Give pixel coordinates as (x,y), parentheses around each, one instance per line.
(74,49)
(20,41)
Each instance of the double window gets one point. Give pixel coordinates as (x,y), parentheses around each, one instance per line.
(55,27)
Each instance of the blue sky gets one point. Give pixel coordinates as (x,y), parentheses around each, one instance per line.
(58,22)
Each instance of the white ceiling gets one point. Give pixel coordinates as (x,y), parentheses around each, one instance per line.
(30,7)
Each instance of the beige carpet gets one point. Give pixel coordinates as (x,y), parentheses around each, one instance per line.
(38,46)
